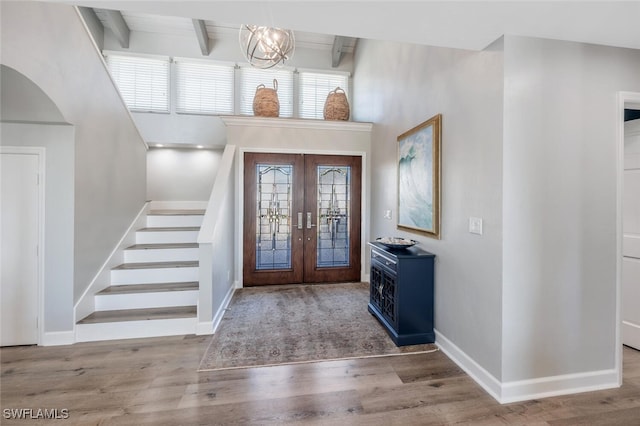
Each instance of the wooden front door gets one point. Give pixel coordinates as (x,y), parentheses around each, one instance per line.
(301,218)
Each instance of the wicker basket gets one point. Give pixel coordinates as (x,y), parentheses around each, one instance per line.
(265,101)
(336,107)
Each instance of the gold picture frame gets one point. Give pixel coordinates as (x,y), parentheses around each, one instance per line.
(419,168)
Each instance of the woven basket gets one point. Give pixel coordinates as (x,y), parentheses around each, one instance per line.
(265,101)
(336,107)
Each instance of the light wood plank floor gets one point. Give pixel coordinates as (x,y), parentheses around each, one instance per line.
(154,381)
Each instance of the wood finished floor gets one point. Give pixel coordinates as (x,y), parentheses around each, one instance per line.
(154,381)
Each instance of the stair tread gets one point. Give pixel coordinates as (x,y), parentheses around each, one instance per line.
(169,228)
(161,246)
(140,314)
(176,212)
(152,265)
(149,288)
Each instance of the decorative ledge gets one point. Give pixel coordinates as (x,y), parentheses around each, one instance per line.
(296,123)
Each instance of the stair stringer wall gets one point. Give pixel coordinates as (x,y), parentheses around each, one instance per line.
(218,246)
(102,279)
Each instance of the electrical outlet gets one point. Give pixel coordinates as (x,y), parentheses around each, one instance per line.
(387,214)
(475,225)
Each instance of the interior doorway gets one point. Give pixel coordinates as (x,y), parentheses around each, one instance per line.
(302,218)
(626,101)
(631,229)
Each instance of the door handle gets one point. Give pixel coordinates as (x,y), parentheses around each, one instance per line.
(299,220)
(309,224)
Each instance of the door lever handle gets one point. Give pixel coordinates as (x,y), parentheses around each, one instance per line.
(309,224)
(299,220)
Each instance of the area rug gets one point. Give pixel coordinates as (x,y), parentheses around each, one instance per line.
(275,325)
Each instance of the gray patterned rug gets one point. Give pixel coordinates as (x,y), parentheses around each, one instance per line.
(299,323)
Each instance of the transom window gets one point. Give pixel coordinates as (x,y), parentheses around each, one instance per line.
(143,81)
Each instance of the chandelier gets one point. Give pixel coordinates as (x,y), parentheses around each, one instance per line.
(266,47)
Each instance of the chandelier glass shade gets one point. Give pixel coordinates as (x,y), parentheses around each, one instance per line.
(266,47)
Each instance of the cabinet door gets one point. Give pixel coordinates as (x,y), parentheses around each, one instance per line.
(383,292)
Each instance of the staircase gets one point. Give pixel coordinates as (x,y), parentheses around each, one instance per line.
(155,291)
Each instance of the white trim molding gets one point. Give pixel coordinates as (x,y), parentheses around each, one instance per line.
(524,390)
(215,323)
(58,338)
(210,327)
(481,376)
(544,387)
(623,99)
(296,123)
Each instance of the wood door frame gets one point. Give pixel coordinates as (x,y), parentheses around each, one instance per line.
(40,152)
(364,200)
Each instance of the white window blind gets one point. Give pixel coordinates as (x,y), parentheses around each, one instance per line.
(204,88)
(250,78)
(313,90)
(143,82)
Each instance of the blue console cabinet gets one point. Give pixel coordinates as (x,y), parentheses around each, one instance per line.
(401,293)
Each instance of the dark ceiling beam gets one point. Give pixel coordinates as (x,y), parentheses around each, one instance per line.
(120,29)
(202,35)
(336,50)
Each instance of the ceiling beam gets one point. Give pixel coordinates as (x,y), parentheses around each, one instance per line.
(202,35)
(336,50)
(120,29)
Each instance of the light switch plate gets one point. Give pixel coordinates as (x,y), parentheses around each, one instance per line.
(387,214)
(475,225)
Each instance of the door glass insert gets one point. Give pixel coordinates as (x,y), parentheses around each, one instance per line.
(273,227)
(333,216)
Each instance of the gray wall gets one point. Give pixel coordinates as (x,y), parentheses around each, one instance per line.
(21,100)
(398,86)
(49,45)
(181,174)
(559,265)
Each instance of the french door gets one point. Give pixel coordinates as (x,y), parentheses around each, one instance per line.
(301,218)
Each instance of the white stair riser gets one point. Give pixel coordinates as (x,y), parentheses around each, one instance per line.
(171,221)
(160,255)
(113,302)
(153,275)
(159,237)
(135,329)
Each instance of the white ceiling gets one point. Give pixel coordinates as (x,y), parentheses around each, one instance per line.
(458,24)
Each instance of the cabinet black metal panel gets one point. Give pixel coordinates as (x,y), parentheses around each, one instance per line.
(401,293)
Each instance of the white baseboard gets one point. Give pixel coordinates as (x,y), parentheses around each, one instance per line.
(179,205)
(86,304)
(544,387)
(223,307)
(365,278)
(58,338)
(524,390)
(204,328)
(485,379)
(631,334)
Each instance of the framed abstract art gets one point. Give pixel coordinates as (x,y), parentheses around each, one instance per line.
(419,178)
